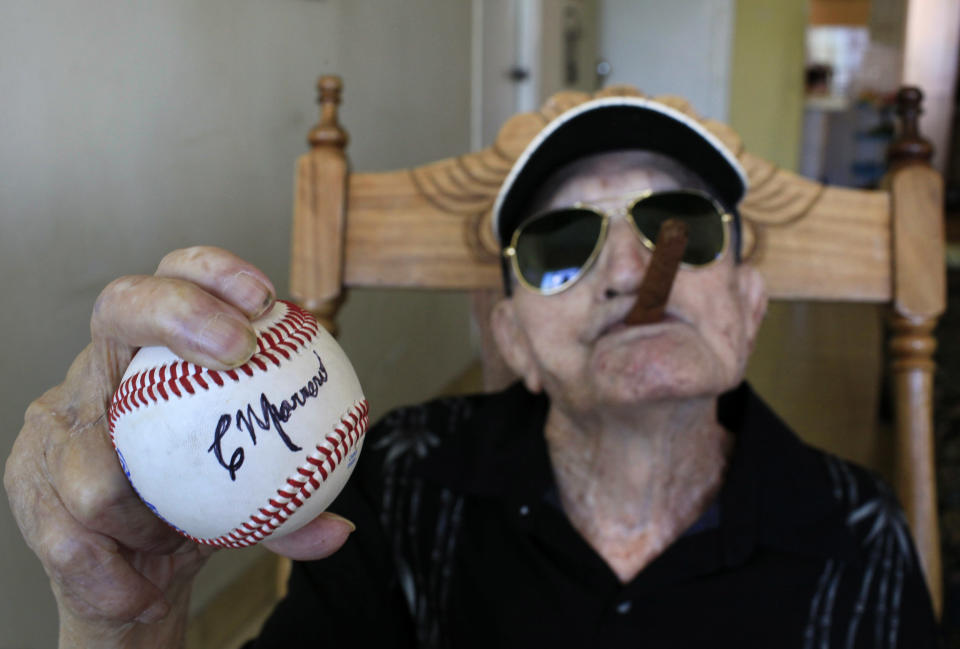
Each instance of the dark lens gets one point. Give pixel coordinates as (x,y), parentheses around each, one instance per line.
(704,222)
(551,249)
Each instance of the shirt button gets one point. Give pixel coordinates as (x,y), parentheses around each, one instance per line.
(524,510)
(624,607)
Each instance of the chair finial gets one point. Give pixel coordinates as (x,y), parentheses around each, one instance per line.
(909,145)
(328,131)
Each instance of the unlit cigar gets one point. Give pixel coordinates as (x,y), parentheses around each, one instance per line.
(654,292)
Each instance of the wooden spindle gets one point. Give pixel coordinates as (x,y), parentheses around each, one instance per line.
(919,299)
(909,146)
(320,198)
(328,131)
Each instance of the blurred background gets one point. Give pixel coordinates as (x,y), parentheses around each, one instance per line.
(128,129)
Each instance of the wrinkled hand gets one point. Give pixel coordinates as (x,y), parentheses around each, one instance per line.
(115,567)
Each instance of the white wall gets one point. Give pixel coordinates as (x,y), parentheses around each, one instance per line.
(131,128)
(680,47)
(930,62)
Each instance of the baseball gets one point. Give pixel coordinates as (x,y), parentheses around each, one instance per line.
(229,458)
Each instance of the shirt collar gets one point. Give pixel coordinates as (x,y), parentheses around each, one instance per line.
(776,492)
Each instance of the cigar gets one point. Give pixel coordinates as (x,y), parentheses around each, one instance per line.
(654,292)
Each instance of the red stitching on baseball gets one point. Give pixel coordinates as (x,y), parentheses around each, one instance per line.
(274,359)
(173,379)
(257,528)
(296,325)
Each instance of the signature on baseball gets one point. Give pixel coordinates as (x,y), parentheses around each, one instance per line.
(271,416)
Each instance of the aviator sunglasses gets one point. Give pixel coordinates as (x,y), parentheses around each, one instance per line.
(554,249)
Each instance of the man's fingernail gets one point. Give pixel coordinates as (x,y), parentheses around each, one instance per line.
(249,293)
(157,611)
(338,517)
(267,303)
(228,339)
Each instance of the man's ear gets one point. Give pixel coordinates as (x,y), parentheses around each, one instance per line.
(753,300)
(514,344)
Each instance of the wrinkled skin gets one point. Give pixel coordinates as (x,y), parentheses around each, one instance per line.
(632,432)
(120,576)
(574,344)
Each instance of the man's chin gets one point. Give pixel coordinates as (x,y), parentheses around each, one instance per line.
(639,394)
(637,383)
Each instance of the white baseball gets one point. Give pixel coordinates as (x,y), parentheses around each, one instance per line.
(229,458)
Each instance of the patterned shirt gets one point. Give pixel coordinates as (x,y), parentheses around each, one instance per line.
(461,542)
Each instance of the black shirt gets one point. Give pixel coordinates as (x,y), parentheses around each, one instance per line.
(461,542)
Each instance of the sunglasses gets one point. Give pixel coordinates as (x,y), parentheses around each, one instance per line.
(554,249)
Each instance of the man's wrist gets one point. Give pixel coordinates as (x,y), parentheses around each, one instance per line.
(77,632)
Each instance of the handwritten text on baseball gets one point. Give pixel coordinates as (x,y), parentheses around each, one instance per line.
(270,416)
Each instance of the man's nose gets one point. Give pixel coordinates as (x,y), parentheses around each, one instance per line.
(625,259)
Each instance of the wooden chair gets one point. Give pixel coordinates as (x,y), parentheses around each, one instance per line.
(428,227)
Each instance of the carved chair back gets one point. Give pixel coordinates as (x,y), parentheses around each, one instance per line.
(428,227)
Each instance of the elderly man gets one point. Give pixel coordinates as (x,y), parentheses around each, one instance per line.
(628,490)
